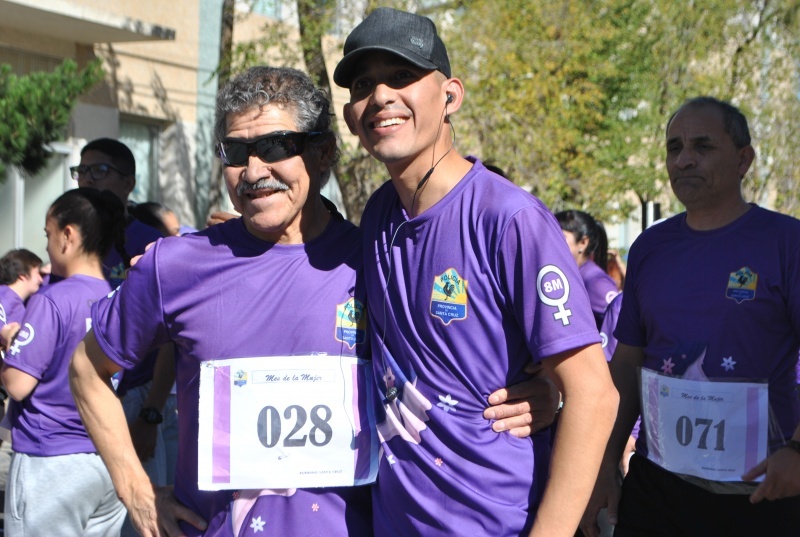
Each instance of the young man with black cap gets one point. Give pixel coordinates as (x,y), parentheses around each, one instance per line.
(471,280)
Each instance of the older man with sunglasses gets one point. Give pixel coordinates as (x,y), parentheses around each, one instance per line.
(273,296)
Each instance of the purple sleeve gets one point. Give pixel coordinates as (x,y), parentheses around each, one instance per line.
(138,236)
(38,338)
(546,289)
(629,329)
(606,290)
(11,311)
(129,322)
(601,288)
(610,342)
(607,328)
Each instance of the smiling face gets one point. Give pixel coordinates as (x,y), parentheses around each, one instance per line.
(704,165)
(397,109)
(279,201)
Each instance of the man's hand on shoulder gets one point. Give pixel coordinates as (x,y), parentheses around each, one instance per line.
(219,217)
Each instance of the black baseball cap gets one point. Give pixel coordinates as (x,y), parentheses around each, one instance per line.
(412,37)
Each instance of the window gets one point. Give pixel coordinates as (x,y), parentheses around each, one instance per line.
(142,139)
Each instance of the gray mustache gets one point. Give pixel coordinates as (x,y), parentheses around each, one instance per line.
(261,184)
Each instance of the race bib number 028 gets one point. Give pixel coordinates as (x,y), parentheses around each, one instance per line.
(712,430)
(286,422)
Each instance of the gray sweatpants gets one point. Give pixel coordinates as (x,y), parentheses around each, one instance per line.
(67,495)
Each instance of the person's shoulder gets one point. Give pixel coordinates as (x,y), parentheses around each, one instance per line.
(6,293)
(76,284)
(142,231)
(386,193)
(347,230)
(591,270)
(660,231)
(52,293)
(10,303)
(773,219)
(195,245)
(500,199)
(340,244)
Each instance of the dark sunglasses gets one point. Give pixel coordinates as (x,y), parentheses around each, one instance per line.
(272,147)
(98,172)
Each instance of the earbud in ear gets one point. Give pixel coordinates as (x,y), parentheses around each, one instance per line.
(449,98)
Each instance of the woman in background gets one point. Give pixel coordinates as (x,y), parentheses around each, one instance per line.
(57,483)
(588,243)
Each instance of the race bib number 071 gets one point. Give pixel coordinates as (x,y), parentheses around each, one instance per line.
(286,422)
(712,430)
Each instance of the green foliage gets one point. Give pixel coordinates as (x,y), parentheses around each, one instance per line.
(35,109)
(572,97)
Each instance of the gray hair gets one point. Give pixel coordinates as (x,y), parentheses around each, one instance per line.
(287,88)
(733,120)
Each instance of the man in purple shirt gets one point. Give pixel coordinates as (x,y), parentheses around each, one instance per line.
(279,281)
(711,296)
(470,280)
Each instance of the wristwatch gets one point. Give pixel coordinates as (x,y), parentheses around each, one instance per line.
(151,415)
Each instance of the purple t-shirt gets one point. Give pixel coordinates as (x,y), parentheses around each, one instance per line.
(728,299)
(222,293)
(601,288)
(137,237)
(47,423)
(608,341)
(12,308)
(462,297)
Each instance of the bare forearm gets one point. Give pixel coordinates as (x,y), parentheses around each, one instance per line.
(584,426)
(104,419)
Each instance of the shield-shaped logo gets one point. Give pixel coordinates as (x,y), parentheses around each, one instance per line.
(742,285)
(240,378)
(351,322)
(449,297)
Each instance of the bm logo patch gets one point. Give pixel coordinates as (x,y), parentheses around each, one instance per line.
(742,285)
(351,323)
(552,287)
(449,297)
